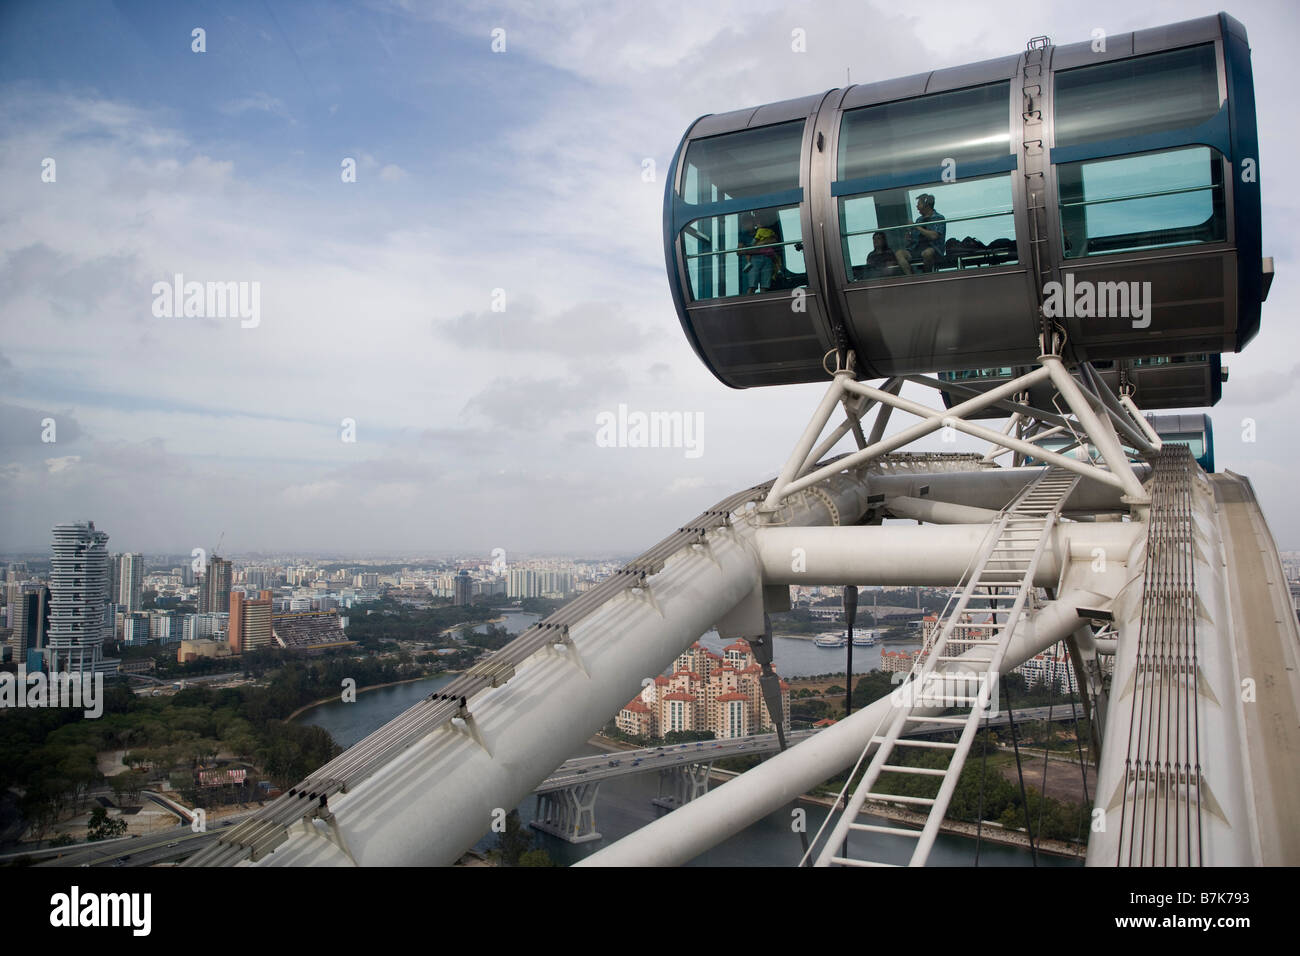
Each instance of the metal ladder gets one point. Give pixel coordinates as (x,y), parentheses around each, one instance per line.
(1007,561)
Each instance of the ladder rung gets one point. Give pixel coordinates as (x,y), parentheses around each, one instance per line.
(930,744)
(922,771)
(899,798)
(937,720)
(943,701)
(965,660)
(875,828)
(845,861)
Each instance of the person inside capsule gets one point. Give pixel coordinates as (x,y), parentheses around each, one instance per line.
(927,239)
(761,262)
(882,260)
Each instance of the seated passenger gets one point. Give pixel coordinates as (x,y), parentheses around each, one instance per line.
(927,239)
(881,261)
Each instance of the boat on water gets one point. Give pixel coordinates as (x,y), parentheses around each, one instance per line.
(830,639)
(865,640)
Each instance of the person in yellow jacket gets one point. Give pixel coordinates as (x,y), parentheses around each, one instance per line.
(757,266)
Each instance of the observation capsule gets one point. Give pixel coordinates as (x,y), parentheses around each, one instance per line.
(924,222)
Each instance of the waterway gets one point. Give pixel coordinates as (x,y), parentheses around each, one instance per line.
(624,803)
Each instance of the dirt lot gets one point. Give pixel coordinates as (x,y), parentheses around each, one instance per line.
(1064,781)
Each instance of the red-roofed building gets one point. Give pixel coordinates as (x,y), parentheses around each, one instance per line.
(676,712)
(636,719)
(730,717)
(693,696)
(898,662)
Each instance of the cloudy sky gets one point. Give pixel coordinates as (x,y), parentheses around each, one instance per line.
(476,171)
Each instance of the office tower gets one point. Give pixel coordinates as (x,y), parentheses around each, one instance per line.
(114,578)
(522,583)
(188,577)
(135,629)
(464,589)
(29,616)
(255,578)
(250,622)
(79,620)
(214,587)
(129,584)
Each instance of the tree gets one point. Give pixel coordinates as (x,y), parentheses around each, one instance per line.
(101,827)
(536,858)
(514,841)
(63,839)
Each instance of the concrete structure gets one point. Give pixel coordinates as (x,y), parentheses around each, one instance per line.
(193,650)
(214,587)
(128,586)
(29,613)
(250,622)
(463,588)
(80,620)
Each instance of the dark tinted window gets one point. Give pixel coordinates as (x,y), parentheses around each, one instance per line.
(1137,96)
(753,162)
(964,126)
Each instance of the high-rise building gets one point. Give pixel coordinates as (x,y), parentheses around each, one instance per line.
(199,626)
(164,627)
(250,622)
(79,599)
(366,579)
(214,588)
(29,616)
(522,583)
(114,577)
(255,578)
(464,585)
(129,584)
(135,629)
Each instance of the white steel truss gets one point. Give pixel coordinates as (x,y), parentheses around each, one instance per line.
(1093,412)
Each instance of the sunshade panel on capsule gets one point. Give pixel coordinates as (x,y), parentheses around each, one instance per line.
(740,263)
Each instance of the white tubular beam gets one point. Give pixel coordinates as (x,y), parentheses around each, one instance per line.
(852,422)
(929,555)
(933,421)
(434,800)
(1118,414)
(994,488)
(1033,439)
(893,387)
(1042,454)
(1156,441)
(1100,432)
(1000,449)
(702,824)
(794,464)
(938,512)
